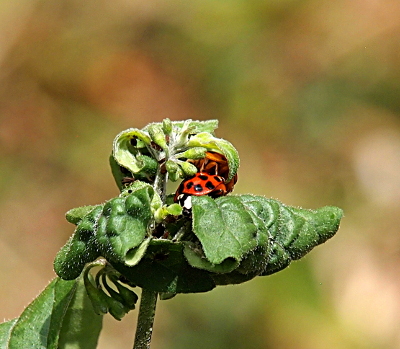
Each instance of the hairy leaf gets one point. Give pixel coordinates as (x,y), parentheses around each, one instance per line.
(80,249)
(75,215)
(130,157)
(81,326)
(123,224)
(46,320)
(263,234)
(225,228)
(6,332)
(194,125)
(112,230)
(164,269)
(219,145)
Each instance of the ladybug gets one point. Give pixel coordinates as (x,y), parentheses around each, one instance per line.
(201,184)
(217,164)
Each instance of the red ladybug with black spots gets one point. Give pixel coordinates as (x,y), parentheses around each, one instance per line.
(201,184)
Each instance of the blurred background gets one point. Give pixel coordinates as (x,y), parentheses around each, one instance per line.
(309,93)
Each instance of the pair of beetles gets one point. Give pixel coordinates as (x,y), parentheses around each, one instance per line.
(209,180)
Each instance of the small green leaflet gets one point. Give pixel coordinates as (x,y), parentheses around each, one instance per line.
(60,317)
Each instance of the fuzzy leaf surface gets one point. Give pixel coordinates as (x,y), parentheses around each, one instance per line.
(263,234)
(165,269)
(219,145)
(195,125)
(80,249)
(132,158)
(123,224)
(46,320)
(225,228)
(81,326)
(112,230)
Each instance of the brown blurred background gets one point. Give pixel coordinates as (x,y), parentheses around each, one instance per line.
(309,93)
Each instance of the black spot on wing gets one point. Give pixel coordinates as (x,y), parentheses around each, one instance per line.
(198,188)
(218,178)
(210,186)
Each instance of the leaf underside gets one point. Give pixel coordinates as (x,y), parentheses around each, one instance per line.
(60,317)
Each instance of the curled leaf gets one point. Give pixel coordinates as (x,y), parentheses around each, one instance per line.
(193,153)
(174,170)
(196,259)
(123,224)
(129,156)
(218,145)
(165,269)
(188,168)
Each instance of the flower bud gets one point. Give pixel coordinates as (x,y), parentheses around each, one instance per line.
(157,135)
(167,126)
(188,168)
(193,153)
(174,171)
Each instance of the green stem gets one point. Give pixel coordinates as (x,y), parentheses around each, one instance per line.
(147,312)
(148,301)
(160,184)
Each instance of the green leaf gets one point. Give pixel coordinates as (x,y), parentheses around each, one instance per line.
(75,215)
(174,209)
(263,234)
(129,297)
(167,126)
(188,169)
(196,259)
(194,125)
(45,322)
(163,212)
(80,249)
(96,295)
(40,323)
(81,326)
(112,230)
(123,224)
(165,269)
(225,228)
(193,153)
(130,157)
(219,145)
(134,255)
(5,332)
(174,170)
(118,172)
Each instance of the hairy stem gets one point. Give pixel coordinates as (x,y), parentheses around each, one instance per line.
(148,301)
(160,184)
(147,312)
